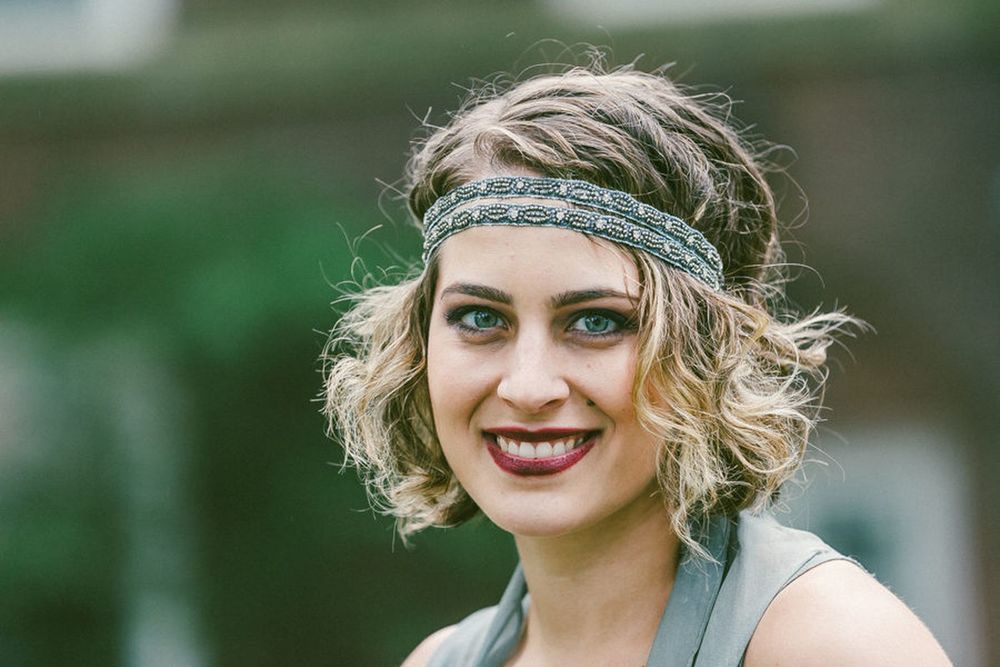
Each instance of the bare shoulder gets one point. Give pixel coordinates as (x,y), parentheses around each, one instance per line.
(422,654)
(838,614)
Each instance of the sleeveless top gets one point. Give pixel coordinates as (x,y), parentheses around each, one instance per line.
(712,611)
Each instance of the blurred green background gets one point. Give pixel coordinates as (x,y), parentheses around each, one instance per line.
(182,184)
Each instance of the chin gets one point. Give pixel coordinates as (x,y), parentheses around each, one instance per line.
(533,523)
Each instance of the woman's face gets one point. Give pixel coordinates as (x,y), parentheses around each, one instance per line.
(531,361)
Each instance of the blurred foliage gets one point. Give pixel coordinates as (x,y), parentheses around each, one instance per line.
(210,248)
(222,260)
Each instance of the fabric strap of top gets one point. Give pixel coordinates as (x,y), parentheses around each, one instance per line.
(505,630)
(584,207)
(689,607)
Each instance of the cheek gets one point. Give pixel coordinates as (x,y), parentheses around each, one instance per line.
(609,379)
(439,364)
(454,377)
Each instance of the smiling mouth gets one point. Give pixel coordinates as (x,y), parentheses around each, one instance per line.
(539,453)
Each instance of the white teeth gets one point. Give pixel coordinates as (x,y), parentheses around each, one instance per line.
(538,450)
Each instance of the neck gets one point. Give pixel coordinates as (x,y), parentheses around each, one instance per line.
(599,592)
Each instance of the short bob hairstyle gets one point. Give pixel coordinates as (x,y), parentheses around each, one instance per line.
(727,381)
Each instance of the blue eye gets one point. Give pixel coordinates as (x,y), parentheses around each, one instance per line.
(595,324)
(479,319)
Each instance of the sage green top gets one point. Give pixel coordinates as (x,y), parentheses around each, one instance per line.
(712,611)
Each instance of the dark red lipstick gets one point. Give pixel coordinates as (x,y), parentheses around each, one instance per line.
(547,465)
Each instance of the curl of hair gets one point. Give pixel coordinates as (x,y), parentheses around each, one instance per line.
(727,384)
(730,392)
(378,408)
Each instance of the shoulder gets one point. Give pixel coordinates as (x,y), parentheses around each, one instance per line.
(422,654)
(455,644)
(837,614)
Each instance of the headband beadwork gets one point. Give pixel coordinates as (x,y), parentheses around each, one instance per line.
(609,214)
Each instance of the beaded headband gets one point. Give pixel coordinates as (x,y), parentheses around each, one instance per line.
(609,214)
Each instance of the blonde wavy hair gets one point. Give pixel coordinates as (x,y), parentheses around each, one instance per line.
(727,381)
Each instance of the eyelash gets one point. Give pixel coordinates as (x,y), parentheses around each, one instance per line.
(622,323)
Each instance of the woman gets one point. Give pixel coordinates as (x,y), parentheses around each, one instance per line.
(594,357)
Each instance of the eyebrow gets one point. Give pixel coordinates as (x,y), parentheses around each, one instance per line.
(482,291)
(572,297)
(560,300)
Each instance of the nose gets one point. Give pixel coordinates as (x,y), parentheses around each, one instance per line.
(533,380)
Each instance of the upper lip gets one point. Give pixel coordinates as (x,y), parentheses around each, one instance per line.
(540,435)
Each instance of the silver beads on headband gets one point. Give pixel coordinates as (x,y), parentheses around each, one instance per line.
(608,214)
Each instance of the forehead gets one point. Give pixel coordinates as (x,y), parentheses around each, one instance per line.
(535,259)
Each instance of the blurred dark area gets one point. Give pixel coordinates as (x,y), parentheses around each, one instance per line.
(183,187)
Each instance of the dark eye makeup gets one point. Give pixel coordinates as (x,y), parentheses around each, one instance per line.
(590,324)
(475,319)
(600,323)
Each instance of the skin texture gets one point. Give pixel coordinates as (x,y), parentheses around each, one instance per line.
(594,540)
(837,614)
(598,530)
(538,367)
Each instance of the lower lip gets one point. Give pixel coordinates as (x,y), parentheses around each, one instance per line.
(518,465)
